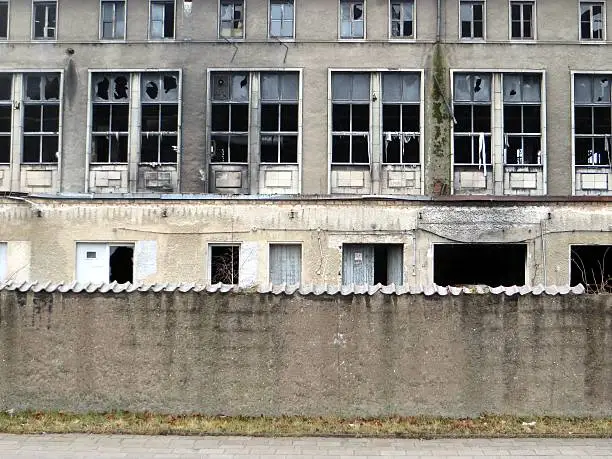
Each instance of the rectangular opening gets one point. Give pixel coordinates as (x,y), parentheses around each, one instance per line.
(285,264)
(224,264)
(371,264)
(480,264)
(591,266)
(121,264)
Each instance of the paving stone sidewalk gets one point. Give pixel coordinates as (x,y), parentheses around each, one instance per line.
(172,447)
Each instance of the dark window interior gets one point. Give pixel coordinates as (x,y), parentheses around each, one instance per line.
(224,264)
(479,264)
(121,264)
(591,266)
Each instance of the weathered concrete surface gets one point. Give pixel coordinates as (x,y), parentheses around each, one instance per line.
(318,355)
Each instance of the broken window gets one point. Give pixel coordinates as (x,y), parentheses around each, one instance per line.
(522,20)
(6,109)
(591,266)
(522,118)
(472,110)
(45,17)
(285,264)
(230,118)
(279,117)
(110,118)
(159,118)
(472,19)
(224,264)
(41,115)
(401,118)
(231,19)
(281,18)
(352,19)
(350,118)
(592,20)
(371,264)
(121,264)
(402,19)
(592,121)
(493,265)
(3,19)
(162,19)
(112,19)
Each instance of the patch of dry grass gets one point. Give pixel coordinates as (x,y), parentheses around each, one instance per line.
(408,427)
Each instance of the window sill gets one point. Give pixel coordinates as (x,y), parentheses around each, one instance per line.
(44,40)
(161,40)
(23,163)
(594,41)
(109,164)
(402,39)
(472,40)
(356,39)
(282,39)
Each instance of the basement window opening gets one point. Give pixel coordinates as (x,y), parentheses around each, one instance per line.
(591,266)
(121,264)
(492,265)
(372,264)
(224,264)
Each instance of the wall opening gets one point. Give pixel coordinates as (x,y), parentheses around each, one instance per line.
(224,264)
(371,264)
(480,264)
(591,266)
(121,264)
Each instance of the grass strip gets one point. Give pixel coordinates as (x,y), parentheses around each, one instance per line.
(485,426)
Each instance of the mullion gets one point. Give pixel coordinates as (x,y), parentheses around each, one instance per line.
(278,127)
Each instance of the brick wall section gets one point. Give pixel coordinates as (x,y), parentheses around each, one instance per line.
(357,355)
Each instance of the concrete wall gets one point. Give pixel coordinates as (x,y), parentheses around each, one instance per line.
(315,49)
(249,354)
(42,245)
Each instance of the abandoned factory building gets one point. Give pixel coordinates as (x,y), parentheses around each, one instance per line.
(323,142)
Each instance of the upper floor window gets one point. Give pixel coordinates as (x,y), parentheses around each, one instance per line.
(350,118)
(45,18)
(472,18)
(6,107)
(592,20)
(161,19)
(402,18)
(3,20)
(41,115)
(282,18)
(230,117)
(112,19)
(352,19)
(522,20)
(231,19)
(159,117)
(592,119)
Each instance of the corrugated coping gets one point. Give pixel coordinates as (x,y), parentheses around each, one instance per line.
(304,290)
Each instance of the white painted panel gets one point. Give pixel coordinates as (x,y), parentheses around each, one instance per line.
(145,260)
(3,261)
(92,262)
(247,274)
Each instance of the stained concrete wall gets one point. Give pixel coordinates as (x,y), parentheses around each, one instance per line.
(255,354)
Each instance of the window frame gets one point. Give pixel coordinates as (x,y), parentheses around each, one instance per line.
(364,20)
(219,21)
(237,245)
(101,22)
(484,20)
(9,103)
(285,244)
(174,7)
(534,21)
(46,4)
(413,37)
(281,38)
(604,19)
(8,19)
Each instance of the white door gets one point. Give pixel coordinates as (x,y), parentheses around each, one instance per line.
(3,261)
(92,262)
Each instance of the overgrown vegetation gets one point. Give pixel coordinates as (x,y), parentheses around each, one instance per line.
(407,427)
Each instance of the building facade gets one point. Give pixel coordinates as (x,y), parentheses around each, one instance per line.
(268,109)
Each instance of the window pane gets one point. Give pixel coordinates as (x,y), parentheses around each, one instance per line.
(220,147)
(49,149)
(275,28)
(391,118)
(513,119)
(341,86)
(120,26)
(531,118)
(482,118)
(239,118)
(220,117)
(240,88)
(512,88)
(392,87)
(482,88)
(169,118)
(169,21)
(157,11)
(463,115)
(341,115)
(5,149)
(6,85)
(100,149)
(239,148)
(120,118)
(33,87)
(288,146)
(269,148)
(289,86)
(31,149)
(357,29)
(360,149)
(462,90)
(516,12)
(391,153)
(150,118)
(463,149)
(466,11)
(168,149)
(32,118)
(269,86)
(39,20)
(601,120)
(395,11)
(3,20)
(583,89)
(601,89)
(269,117)
(341,145)
(51,118)
(119,149)
(478,29)
(289,118)
(583,120)
(101,118)
(531,88)
(477,12)
(361,118)
(411,118)
(583,150)
(516,29)
(148,149)
(531,148)
(5,118)
(412,151)
(276,11)
(361,86)
(411,87)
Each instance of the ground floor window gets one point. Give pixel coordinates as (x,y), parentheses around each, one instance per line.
(285,264)
(479,264)
(104,262)
(224,264)
(371,264)
(591,266)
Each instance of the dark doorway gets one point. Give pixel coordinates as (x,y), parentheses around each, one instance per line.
(592,267)
(480,264)
(121,264)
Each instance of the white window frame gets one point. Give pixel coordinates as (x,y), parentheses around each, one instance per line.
(151,2)
(534,21)
(210,260)
(365,22)
(414,22)
(270,36)
(484,21)
(244,13)
(8,19)
(9,103)
(603,22)
(101,23)
(45,2)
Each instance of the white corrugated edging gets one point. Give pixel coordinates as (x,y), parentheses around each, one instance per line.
(88,287)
